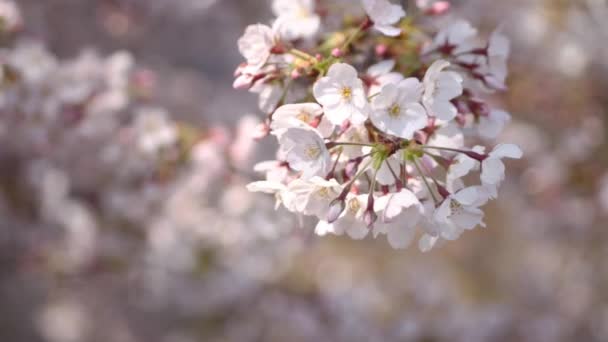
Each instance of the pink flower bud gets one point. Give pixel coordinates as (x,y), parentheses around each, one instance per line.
(295,74)
(336,52)
(381,50)
(243,82)
(438,8)
(261,131)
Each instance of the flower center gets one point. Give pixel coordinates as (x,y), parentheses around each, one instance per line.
(304,117)
(395,111)
(347,93)
(323,193)
(455,207)
(354,206)
(312,152)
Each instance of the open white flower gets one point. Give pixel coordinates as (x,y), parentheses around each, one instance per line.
(385,15)
(313,196)
(459,212)
(305,151)
(256,44)
(350,221)
(304,115)
(440,87)
(490,126)
(458,37)
(342,95)
(493,169)
(381,74)
(401,212)
(397,109)
(296,18)
(279,190)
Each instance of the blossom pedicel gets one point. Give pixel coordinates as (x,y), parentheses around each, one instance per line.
(373,124)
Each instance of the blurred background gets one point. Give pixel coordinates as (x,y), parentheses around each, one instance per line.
(124,152)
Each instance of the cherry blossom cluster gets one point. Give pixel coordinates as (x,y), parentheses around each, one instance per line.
(378,119)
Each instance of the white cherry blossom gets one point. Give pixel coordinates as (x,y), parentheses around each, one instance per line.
(342,95)
(296,18)
(440,87)
(493,169)
(460,36)
(305,151)
(350,221)
(401,213)
(256,44)
(313,196)
(397,109)
(459,212)
(385,15)
(304,115)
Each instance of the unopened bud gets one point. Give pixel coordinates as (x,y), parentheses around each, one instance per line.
(243,82)
(261,131)
(352,167)
(381,50)
(295,74)
(336,208)
(337,53)
(438,8)
(370,217)
(239,70)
